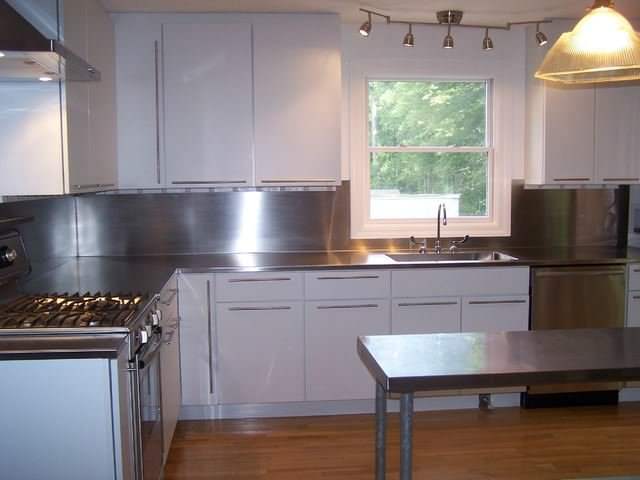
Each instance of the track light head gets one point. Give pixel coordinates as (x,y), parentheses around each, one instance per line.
(448,42)
(365,28)
(409,40)
(541,38)
(487,43)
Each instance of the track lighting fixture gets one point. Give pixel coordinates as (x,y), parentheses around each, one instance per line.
(365,28)
(487,43)
(450,19)
(541,38)
(408,38)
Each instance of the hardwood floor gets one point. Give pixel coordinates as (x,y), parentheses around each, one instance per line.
(457,445)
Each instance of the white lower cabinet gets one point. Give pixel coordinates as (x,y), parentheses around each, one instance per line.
(495,314)
(633,309)
(333,369)
(425,315)
(260,352)
(196,338)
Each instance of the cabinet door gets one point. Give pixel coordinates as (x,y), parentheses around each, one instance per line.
(425,315)
(297,100)
(618,133)
(138,62)
(208,104)
(170,362)
(495,314)
(633,309)
(76,134)
(260,352)
(102,98)
(569,132)
(196,338)
(334,370)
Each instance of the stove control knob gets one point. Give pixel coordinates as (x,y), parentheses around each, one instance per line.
(7,256)
(144,336)
(156,318)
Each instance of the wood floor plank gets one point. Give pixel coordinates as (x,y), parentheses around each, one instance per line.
(549,444)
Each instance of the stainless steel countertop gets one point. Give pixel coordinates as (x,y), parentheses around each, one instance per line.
(33,347)
(411,363)
(148,274)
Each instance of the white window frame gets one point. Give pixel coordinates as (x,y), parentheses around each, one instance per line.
(499,130)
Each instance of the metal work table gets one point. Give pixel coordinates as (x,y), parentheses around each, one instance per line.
(405,364)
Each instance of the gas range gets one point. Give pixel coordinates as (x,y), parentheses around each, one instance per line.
(71,311)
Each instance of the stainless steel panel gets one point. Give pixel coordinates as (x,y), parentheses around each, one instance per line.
(245,222)
(52,233)
(577,297)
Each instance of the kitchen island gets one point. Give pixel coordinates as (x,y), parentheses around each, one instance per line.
(405,364)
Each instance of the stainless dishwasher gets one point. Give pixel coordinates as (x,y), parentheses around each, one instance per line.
(576,297)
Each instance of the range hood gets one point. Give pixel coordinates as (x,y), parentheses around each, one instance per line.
(27,55)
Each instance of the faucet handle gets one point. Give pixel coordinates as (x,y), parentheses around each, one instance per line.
(423,244)
(453,246)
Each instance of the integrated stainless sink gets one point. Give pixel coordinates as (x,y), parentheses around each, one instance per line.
(458,257)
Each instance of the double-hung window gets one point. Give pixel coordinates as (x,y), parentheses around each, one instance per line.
(426,142)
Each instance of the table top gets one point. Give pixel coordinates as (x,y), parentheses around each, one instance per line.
(411,363)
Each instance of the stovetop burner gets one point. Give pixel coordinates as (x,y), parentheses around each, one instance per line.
(70,311)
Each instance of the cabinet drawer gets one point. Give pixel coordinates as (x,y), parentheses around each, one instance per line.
(347,284)
(257,287)
(425,315)
(444,282)
(634,276)
(495,314)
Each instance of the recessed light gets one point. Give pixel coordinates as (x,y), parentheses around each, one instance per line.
(1,54)
(45,78)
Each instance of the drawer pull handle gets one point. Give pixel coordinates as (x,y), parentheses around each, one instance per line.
(257,309)
(326,180)
(577,179)
(496,302)
(636,270)
(621,179)
(426,304)
(94,185)
(251,280)
(355,277)
(167,302)
(335,307)
(210,339)
(636,297)
(207,182)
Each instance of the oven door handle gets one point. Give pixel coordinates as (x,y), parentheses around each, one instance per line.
(148,356)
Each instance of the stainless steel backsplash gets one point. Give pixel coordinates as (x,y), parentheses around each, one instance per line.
(191,223)
(301,221)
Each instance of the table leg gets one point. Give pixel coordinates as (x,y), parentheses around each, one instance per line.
(406,420)
(381,431)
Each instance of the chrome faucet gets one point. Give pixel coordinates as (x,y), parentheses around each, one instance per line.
(442,213)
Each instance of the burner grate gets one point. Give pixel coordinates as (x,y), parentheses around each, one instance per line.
(70,311)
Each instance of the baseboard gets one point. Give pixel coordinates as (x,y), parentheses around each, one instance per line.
(343,407)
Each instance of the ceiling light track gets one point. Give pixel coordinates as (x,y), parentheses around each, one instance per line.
(449,19)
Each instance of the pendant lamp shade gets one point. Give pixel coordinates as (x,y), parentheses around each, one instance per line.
(603,47)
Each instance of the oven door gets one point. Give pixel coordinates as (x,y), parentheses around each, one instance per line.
(149,412)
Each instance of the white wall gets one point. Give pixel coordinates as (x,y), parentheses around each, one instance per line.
(385,43)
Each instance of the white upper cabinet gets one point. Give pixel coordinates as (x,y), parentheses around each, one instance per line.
(580,134)
(208,104)
(228,100)
(59,138)
(618,133)
(297,100)
(139,80)
(568,131)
